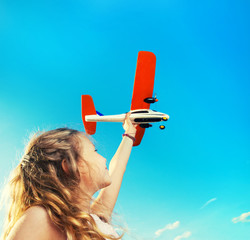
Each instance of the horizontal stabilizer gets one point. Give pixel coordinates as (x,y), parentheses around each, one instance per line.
(98,113)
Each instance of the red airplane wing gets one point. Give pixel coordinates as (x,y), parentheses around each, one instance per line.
(144,80)
(143,86)
(138,136)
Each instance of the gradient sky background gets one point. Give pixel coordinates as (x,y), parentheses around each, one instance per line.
(193,179)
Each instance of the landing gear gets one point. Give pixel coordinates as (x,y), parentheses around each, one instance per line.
(162,127)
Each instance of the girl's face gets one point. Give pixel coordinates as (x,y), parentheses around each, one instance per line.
(95,175)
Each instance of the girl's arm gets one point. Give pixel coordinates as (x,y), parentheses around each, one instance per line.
(108,196)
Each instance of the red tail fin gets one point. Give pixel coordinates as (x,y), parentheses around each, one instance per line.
(88,108)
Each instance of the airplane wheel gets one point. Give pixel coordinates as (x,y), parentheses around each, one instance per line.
(164,119)
(162,127)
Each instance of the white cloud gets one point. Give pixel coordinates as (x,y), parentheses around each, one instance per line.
(169,226)
(242,218)
(208,202)
(184,235)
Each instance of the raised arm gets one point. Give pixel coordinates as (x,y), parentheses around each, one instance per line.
(117,167)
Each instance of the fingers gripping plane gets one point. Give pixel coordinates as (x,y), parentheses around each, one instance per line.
(141,100)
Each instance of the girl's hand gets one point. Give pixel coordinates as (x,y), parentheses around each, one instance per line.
(129,127)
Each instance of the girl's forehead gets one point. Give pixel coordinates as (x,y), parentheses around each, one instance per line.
(86,142)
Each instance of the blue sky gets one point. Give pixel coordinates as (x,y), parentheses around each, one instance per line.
(190,181)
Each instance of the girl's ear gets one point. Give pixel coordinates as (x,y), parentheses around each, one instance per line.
(65,166)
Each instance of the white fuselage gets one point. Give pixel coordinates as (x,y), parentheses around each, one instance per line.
(137,116)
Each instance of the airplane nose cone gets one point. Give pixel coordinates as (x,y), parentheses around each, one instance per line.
(165,118)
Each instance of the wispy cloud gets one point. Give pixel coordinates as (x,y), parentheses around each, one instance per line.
(169,226)
(242,218)
(184,235)
(208,202)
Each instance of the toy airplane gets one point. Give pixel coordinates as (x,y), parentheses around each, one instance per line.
(141,100)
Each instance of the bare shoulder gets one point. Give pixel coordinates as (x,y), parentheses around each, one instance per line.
(35,224)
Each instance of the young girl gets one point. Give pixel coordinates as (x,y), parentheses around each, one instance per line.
(51,189)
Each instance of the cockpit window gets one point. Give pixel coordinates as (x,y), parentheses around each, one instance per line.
(140,112)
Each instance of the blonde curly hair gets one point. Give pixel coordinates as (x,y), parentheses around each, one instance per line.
(39,180)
